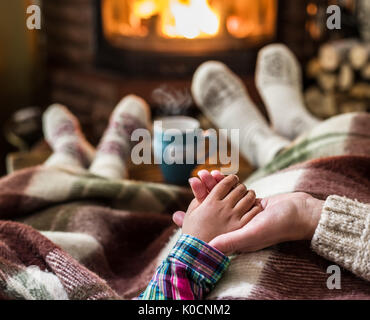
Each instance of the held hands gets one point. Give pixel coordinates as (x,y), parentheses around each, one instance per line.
(253,226)
(226,208)
(287,217)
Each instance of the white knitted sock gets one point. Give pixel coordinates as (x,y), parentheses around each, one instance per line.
(63,133)
(279,81)
(221,95)
(115,147)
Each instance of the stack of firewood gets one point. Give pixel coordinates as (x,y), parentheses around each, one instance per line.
(341,78)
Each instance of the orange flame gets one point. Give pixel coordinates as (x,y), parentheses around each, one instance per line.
(181,19)
(188,19)
(146,8)
(191,20)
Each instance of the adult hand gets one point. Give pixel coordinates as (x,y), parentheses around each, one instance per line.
(287,217)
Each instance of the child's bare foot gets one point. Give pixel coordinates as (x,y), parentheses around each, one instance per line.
(228,207)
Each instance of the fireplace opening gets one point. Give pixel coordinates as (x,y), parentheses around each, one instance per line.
(175,36)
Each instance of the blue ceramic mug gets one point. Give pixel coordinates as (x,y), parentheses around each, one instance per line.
(179,146)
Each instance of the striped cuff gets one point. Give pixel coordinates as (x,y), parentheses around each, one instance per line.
(204,262)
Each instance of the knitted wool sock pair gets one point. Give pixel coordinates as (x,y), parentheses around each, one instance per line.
(225,101)
(63,133)
(222,97)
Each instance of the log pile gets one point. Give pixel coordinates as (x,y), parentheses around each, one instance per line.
(340,77)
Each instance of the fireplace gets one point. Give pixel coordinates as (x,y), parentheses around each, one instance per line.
(97,53)
(174,36)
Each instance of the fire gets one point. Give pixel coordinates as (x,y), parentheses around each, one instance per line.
(181,18)
(152,24)
(145,9)
(190,20)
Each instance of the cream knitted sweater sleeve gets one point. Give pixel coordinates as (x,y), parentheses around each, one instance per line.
(343,235)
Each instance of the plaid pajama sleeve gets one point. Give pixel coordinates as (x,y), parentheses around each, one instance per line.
(189,272)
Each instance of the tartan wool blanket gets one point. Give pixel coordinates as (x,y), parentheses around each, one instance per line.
(70,235)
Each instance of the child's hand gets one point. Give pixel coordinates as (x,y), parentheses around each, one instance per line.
(201,188)
(228,207)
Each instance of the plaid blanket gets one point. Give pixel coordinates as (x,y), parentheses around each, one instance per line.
(100,239)
(91,219)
